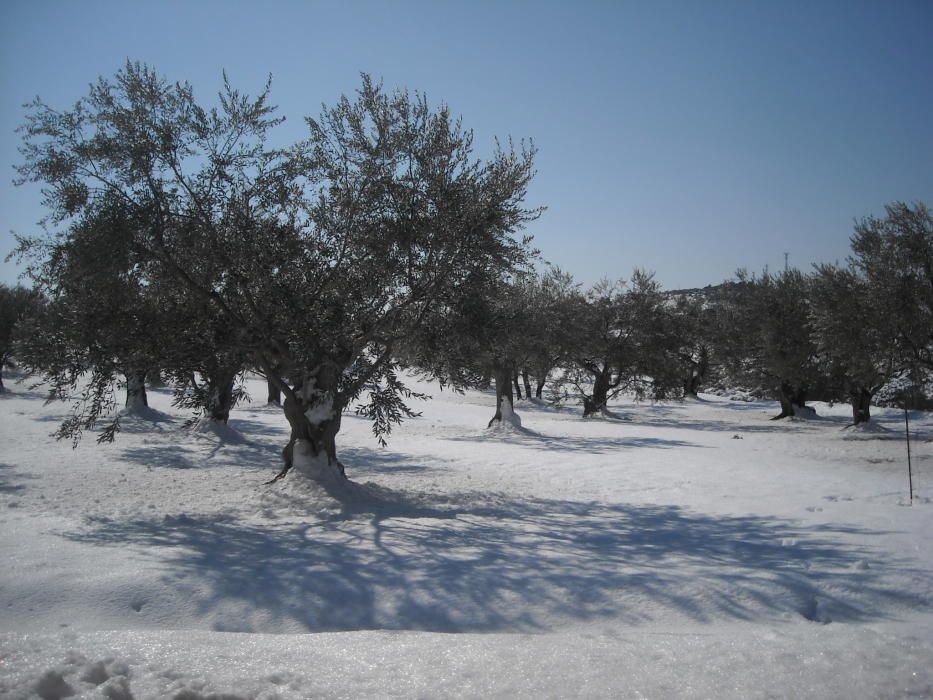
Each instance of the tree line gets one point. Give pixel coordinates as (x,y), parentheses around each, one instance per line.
(185,245)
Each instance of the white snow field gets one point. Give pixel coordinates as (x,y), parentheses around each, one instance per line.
(694,550)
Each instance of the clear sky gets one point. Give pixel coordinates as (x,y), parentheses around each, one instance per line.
(689,138)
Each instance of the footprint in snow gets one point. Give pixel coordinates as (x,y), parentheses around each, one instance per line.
(814,611)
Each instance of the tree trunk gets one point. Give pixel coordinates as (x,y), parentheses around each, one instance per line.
(792,398)
(596,403)
(314,419)
(698,372)
(539,389)
(518,389)
(221,398)
(136,390)
(504,398)
(692,385)
(527,382)
(786,397)
(541,374)
(861,405)
(800,397)
(274,393)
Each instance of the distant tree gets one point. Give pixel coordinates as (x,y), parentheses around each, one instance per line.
(273,393)
(697,329)
(113,313)
(99,323)
(894,255)
(201,356)
(787,352)
(323,257)
(504,343)
(550,301)
(769,335)
(15,303)
(736,330)
(618,328)
(483,337)
(873,318)
(856,335)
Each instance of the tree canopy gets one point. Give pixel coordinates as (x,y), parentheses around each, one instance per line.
(318,258)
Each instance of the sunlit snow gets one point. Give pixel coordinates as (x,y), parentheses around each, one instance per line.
(694,550)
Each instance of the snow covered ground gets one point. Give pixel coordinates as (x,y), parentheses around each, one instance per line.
(694,550)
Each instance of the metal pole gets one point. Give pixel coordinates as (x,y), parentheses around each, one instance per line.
(910,476)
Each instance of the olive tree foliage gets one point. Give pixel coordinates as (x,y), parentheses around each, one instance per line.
(483,337)
(697,326)
(769,337)
(549,301)
(16,303)
(320,257)
(894,255)
(98,324)
(873,318)
(112,319)
(619,327)
(856,335)
(200,357)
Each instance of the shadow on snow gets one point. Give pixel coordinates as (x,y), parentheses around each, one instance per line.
(491,562)
(7,484)
(569,443)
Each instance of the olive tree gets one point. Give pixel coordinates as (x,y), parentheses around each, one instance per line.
(549,301)
(99,323)
(322,256)
(894,255)
(855,334)
(619,327)
(15,303)
(768,337)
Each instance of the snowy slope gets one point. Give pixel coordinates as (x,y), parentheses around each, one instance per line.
(693,550)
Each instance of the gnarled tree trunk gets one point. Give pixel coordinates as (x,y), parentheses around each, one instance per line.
(274,393)
(526,380)
(539,387)
(785,398)
(791,399)
(518,388)
(136,389)
(540,374)
(698,372)
(692,385)
(596,402)
(505,401)
(221,398)
(313,413)
(860,398)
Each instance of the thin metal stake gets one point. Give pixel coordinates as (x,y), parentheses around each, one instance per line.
(910,476)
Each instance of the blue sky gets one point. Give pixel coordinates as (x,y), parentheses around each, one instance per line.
(688,138)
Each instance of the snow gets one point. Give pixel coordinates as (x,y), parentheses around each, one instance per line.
(316,467)
(654,557)
(207,426)
(509,421)
(320,413)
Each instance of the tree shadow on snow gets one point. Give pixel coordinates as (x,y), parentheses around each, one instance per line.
(570,443)
(7,483)
(725,426)
(481,562)
(9,394)
(189,454)
(362,463)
